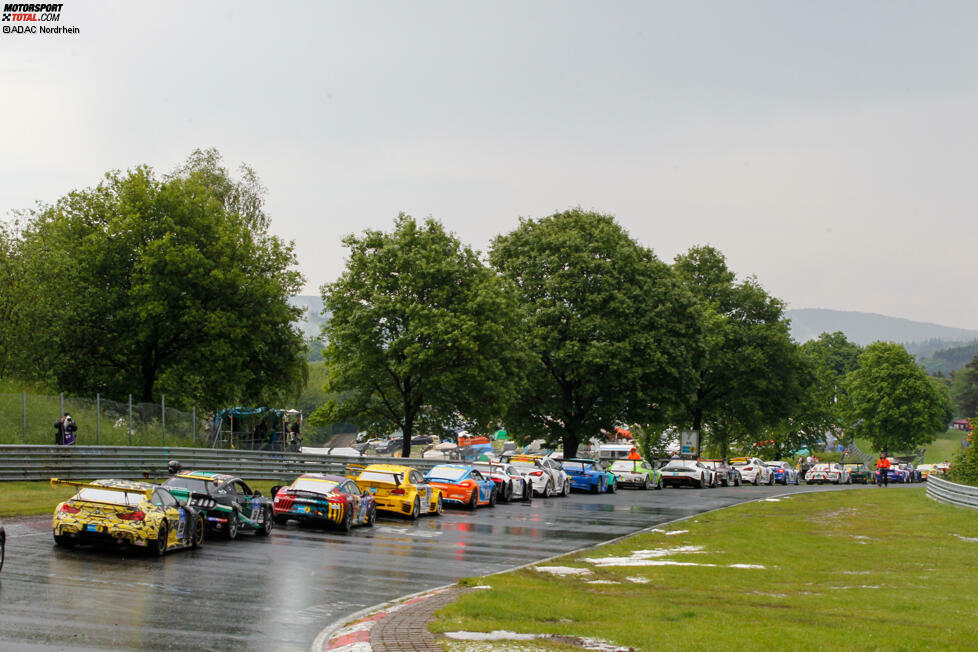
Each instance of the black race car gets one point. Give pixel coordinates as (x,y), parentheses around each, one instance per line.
(238,507)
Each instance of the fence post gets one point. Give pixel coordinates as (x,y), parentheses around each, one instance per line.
(163,409)
(24,395)
(130,419)
(98,419)
(193,421)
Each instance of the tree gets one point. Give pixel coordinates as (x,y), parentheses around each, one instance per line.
(610,333)
(145,285)
(749,374)
(964,390)
(421,333)
(834,352)
(892,402)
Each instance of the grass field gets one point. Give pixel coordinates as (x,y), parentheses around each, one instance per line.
(831,576)
(33,498)
(945,447)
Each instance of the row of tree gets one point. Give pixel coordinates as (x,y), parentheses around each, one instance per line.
(149,285)
(569,327)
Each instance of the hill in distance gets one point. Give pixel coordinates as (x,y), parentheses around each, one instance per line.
(865,328)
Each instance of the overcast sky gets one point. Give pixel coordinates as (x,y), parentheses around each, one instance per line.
(827,147)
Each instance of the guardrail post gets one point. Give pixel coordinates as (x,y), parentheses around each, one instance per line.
(24,396)
(130,419)
(98,418)
(163,410)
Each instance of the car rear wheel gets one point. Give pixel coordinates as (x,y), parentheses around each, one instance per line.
(527,491)
(755,480)
(492,497)
(267,523)
(415,509)
(372,516)
(646,485)
(64,541)
(507,492)
(347,523)
(659,485)
(547,490)
(198,535)
(567,488)
(596,488)
(473,500)
(613,487)
(157,547)
(231,532)
(439,506)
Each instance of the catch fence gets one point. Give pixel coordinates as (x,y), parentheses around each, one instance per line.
(139,462)
(952,493)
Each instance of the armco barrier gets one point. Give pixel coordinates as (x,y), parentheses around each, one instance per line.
(951,493)
(134,462)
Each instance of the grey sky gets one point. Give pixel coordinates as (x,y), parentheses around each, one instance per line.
(827,147)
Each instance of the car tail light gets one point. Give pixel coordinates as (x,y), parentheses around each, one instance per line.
(133,516)
(69,509)
(536,473)
(335,499)
(397,492)
(748,468)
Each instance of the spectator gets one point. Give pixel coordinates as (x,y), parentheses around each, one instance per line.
(65,429)
(295,436)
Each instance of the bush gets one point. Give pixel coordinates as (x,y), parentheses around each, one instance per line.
(965,468)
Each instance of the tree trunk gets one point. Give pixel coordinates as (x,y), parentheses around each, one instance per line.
(570,445)
(408,432)
(149,379)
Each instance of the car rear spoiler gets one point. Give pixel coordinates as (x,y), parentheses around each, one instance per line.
(55,482)
(353,470)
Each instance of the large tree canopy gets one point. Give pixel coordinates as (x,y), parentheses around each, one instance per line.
(421,333)
(892,402)
(610,332)
(149,285)
(750,374)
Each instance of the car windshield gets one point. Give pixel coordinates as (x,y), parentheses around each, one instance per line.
(487,468)
(740,462)
(623,465)
(314,486)
(191,484)
(450,473)
(387,477)
(524,465)
(678,466)
(130,498)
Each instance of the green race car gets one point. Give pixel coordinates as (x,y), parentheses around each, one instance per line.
(237,506)
(636,473)
(860,473)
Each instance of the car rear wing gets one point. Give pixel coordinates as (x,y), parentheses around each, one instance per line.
(55,482)
(353,470)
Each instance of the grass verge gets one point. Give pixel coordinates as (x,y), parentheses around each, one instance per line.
(33,498)
(883,569)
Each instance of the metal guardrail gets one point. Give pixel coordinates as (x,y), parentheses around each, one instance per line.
(135,462)
(951,493)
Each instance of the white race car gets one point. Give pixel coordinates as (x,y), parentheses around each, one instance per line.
(544,477)
(510,483)
(831,472)
(691,473)
(753,470)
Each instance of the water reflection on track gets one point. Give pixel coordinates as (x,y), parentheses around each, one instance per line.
(276,593)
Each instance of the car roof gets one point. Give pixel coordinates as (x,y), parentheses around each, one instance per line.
(207,476)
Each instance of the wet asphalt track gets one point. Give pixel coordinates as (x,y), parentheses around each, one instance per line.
(277,593)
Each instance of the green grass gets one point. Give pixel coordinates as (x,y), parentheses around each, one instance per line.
(945,447)
(33,498)
(821,552)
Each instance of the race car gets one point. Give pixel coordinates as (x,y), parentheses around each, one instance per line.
(398,489)
(783,473)
(859,473)
(752,470)
(463,484)
(129,513)
(236,506)
(320,498)
(828,472)
(545,474)
(586,475)
(636,473)
(610,479)
(901,472)
(726,474)
(510,484)
(678,473)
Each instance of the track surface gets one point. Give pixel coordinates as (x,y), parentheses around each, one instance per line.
(276,593)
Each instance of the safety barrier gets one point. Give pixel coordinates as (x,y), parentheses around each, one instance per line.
(135,462)
(951,493)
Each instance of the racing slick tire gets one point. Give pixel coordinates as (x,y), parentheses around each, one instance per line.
(492,497)
(231,533)
(507,493)
(547,490)
(439,506)
(473,503)
(659,486)
(157,547)
(63,541)
(699,483)
(770,480)
(347,523)
(613,487)
(372,516)
(596,489)
(527,492)
(415,509)
(849,480)
(566,490)
(755,480)
(646,485)
(267,523)
(198,536)
(737,480)
(714,484)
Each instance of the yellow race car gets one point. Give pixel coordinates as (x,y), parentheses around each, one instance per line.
(129,513)
(398,489)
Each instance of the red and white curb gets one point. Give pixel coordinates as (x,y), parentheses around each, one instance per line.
(354,635)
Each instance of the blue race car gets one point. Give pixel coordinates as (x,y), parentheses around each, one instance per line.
(462,484)
(586,475)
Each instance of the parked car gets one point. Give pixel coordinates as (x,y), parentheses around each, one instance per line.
(462,484)
(423,440)
(753,470)
(783,473)
(691,473)
(389,446)
(132,513)
(510,483)
(397,488)
(636,473)
(828,472)
(726,474)
(859,472)
(324,499)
